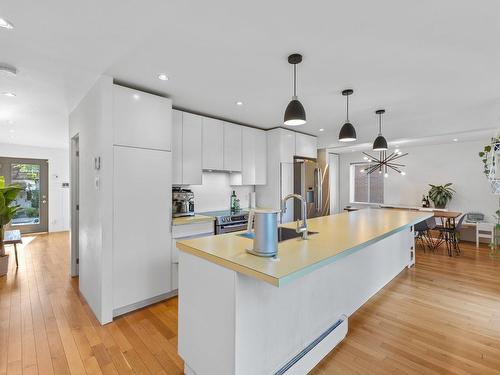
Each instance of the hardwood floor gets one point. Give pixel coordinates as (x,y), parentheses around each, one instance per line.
(441,317)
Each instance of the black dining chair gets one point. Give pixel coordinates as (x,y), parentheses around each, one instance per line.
(422,233)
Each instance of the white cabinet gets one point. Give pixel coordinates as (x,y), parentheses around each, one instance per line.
(306,146)
(141,119)
(191,149)
(142,204)
(213,144)
(184,232)
(286,145)
(260,157)
(254,156)
(177,147)
(186,149)
(232,147)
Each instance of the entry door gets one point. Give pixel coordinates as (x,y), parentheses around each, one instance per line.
(32,175)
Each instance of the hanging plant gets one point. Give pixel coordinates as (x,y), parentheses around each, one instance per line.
(488,156)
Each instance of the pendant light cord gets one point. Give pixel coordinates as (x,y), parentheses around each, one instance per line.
(347,97)
(380,124)
(295,80)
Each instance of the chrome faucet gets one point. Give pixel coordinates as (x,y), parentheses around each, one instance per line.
(300,228)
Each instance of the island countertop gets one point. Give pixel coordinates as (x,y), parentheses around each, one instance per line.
(338,235)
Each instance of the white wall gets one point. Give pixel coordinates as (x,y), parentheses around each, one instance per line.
(59,204)
(458,163)
(91,120)
(215,192)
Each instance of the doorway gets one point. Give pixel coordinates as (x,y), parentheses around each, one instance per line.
(32,175)
(75,205)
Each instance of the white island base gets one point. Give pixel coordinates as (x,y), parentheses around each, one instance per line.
(234,324)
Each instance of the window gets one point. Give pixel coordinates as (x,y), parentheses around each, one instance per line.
(366,188)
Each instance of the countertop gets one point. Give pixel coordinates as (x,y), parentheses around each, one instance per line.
(338,235)
(191,219)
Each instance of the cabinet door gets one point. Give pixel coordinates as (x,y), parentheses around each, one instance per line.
(287,144)
(142,200)
(306,146)
(191,149)
(260,157)
(232,147)
(141,119)
(213,144)
(177,147)
(248,136)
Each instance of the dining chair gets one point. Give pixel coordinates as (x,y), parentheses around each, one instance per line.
(452,236)
(422,233)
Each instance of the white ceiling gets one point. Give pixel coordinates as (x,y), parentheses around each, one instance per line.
(433,65)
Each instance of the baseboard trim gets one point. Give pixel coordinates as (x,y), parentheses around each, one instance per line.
(139,305)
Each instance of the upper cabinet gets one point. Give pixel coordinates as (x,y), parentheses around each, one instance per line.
(141,120)
(286,143)
(191,149)
(254,157)
(213,144)
(232,147)
(306,146)
(186,149)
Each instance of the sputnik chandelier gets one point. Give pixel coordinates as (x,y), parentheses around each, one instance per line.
(385,161)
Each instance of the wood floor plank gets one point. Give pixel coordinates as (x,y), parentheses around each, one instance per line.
(440,317)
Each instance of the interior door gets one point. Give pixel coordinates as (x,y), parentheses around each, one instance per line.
(32,175)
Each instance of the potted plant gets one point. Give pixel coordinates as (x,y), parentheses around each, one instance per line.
(441,194)
(7,211)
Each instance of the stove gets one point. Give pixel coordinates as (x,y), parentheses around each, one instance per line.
(228,221)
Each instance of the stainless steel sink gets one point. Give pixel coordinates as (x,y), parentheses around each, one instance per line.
(283,234)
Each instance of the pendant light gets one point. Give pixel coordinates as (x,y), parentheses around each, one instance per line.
(380,144)
(347,132)
(295,113)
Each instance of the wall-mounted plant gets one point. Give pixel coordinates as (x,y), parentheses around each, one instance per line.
(441,194)
(488,156)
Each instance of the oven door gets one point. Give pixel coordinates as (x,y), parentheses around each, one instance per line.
(229,228)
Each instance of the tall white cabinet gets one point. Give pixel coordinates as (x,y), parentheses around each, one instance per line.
(186,148)
(142,198)
(282,146)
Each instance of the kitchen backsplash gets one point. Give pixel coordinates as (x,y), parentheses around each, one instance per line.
(215,192)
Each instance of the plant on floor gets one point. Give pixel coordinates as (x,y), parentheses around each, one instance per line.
(441,194)
(7,211)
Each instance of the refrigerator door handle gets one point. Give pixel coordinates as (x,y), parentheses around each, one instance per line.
(319,186)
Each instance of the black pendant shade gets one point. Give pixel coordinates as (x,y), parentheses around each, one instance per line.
(380,144)
(295,113)
(347,132)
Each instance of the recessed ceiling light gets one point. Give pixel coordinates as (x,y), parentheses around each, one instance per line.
(10,122)
(9,94)
(11,130)
(455,139)
(321,130)
(6,24)
(136,96)
(8,69)
(239,103)
(162,77)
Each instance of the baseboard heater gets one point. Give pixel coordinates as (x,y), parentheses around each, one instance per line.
(335,334)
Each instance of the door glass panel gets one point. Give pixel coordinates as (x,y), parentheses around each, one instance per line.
(28,176)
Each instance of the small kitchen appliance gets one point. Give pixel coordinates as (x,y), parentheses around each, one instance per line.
(182,202)
(265,239)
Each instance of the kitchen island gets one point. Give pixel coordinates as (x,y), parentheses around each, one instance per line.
(243,314)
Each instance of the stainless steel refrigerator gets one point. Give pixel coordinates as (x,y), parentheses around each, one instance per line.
(310,181)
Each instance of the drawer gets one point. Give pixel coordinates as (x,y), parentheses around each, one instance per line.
(175,250)
(195,229)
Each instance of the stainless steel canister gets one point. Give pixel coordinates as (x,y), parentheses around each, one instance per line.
(265,242)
